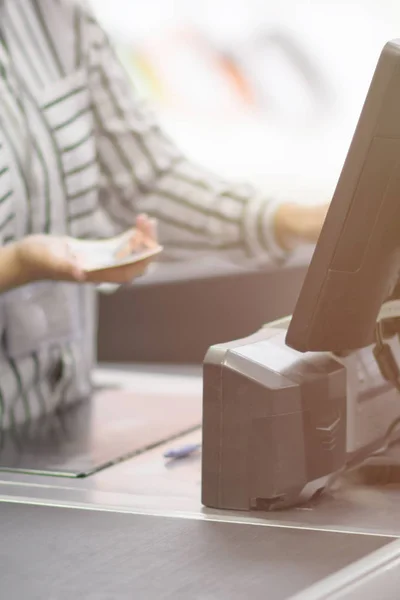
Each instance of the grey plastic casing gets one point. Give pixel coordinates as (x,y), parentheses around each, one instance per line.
(278,423)
(274,422)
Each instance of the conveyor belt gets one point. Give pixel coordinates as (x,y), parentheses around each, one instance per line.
(111,426)
(63,553)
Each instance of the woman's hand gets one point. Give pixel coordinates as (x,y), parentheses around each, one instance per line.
(297,224)
(47,257)
(143,237)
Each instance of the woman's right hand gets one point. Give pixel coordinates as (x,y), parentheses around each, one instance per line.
(46,257)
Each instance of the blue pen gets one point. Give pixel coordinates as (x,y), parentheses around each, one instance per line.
(182,451)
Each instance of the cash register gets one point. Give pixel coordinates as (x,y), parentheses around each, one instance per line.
(304,399)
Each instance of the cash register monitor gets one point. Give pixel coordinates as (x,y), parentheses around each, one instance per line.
(356,263)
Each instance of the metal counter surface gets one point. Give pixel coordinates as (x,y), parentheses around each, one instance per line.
(61,553)
(376,575)
(146,484)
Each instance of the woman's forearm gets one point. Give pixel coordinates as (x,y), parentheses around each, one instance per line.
(11,272)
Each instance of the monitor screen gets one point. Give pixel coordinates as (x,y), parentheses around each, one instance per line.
(355,266)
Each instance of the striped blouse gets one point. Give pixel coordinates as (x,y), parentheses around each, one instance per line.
(81,154)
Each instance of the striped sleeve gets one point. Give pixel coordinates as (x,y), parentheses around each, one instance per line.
(144,172)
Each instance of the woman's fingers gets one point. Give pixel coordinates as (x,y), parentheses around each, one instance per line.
(148,228)
(143,236)
(128,273)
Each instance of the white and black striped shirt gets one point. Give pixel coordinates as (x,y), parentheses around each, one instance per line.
(81,154)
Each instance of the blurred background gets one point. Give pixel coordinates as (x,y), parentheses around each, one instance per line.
(255,90)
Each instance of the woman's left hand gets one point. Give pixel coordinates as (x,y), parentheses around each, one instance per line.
(297,224)
(143,236)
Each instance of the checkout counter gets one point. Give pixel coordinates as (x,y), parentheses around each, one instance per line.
(91,508)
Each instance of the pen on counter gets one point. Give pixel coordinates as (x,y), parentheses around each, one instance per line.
(182,451)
